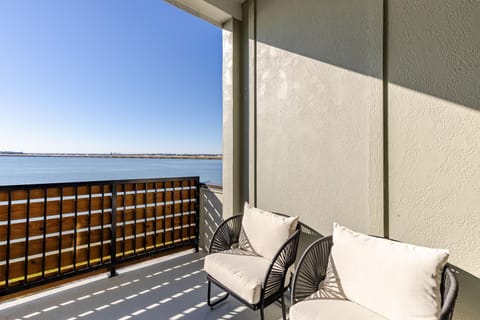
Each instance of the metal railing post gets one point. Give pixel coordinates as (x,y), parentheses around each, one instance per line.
(197,215)
(113,238)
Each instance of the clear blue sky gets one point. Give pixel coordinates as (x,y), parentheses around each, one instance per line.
(108,76)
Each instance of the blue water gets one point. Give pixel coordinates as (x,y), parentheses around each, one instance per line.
(28,170)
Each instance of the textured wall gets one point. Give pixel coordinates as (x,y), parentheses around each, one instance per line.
(318,64)
(434,133)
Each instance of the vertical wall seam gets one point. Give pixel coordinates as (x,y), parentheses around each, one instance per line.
(255,163)
(243,142)
(386,196)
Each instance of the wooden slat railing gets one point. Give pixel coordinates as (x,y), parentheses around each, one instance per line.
(53,231)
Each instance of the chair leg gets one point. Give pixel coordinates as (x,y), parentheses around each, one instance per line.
(284,313)
(262,316)
(210,304)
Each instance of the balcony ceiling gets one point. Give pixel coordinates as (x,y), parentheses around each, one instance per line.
(214,11)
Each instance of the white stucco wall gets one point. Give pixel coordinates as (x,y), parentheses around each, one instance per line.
(318,64)
(434,133)
(434,125)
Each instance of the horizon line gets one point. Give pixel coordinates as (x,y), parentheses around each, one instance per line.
(115,155)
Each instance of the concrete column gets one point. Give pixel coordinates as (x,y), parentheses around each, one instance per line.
(232,119)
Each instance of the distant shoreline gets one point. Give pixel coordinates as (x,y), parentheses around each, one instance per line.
(115,155)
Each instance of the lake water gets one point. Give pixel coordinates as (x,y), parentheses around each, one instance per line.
(28,170)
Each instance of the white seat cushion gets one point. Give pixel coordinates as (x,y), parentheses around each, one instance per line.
(264,232)
(331,309)
(396,280)
(240,271)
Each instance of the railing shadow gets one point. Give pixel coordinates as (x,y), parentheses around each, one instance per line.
(210,213)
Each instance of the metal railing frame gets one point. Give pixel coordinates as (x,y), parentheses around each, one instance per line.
(114,260)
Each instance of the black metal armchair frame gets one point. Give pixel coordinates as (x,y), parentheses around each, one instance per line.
(312,268)
(273,287)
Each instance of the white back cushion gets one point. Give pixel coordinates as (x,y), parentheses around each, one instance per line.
(264,232)
(396,280)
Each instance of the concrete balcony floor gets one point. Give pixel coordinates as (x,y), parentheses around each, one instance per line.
(170,289)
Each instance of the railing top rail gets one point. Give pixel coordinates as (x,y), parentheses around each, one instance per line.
(92,182)
(211,186)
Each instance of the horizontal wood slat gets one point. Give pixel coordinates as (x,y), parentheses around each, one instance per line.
(39,227)
(38,209)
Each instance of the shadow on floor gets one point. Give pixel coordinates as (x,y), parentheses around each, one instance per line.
(174,289)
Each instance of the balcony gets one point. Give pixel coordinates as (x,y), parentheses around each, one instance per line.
(364,112)
(59,236)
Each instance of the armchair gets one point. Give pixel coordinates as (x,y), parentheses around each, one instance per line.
(313,270)
(245,269)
